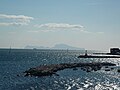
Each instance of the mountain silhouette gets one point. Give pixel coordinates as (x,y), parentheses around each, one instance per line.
(57,46)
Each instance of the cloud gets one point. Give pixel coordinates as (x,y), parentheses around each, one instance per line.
(33,31)
(100,32)
(13,23)
(52,27)
(8,20)
(59,26)
(19,17)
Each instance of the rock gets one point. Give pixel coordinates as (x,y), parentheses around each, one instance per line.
(107,69)
(118,70)
(18,75)
(112,68)
(48,70)
(75,69)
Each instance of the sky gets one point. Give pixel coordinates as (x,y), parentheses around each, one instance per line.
(89,24)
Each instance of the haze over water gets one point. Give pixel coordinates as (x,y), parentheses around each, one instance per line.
(90,24)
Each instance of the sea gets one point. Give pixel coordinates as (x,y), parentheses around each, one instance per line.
(14,62)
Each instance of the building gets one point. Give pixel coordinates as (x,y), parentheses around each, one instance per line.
(115,51)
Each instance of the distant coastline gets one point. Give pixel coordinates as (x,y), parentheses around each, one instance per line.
(57,46)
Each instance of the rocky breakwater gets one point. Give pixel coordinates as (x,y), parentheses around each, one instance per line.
(48,70)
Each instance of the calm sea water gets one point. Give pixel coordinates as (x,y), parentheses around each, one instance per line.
(16,61)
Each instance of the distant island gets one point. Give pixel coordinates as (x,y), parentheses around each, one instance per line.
(57,46)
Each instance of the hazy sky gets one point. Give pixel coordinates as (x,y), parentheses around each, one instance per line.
(90,24)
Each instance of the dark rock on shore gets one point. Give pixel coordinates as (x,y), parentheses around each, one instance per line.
(48,70)
(119,70)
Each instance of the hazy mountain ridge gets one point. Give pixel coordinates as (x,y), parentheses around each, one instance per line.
(57,46)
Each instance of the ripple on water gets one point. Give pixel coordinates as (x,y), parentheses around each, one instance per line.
(18,61)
